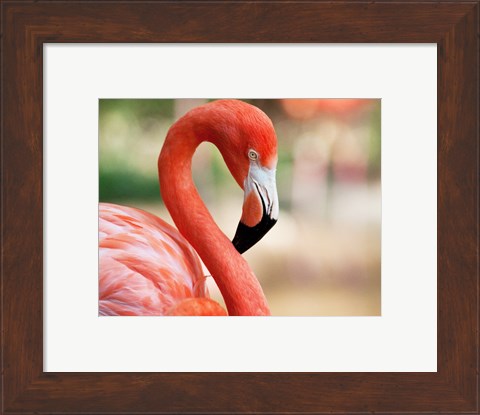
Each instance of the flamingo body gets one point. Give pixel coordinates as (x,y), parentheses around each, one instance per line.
(147,267)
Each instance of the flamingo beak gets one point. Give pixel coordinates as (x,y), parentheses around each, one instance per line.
(260,208)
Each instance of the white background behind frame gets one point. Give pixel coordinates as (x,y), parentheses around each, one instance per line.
(403,339)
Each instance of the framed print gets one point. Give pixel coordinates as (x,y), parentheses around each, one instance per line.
(58,355)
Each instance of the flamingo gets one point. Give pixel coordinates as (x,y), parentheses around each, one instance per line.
(147,267)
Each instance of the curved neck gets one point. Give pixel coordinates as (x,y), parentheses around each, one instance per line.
(240,288)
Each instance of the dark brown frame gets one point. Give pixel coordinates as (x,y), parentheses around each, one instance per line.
(27,25)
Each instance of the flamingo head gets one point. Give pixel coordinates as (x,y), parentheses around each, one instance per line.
(248,144)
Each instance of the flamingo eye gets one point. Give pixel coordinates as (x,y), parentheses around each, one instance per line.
(252,155)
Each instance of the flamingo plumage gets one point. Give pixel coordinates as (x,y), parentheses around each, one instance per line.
(148,267)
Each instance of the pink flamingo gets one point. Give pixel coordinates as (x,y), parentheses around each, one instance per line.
(149,268)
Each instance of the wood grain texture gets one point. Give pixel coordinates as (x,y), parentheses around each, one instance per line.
(27,25)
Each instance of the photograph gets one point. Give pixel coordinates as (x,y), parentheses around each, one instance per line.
(240,207)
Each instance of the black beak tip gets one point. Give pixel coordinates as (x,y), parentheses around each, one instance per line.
(247,236)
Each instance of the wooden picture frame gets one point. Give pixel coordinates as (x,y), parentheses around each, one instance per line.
(26,26)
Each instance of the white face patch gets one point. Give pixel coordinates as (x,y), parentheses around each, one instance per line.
(263,181)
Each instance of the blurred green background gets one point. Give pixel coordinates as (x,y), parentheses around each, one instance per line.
(323,256)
